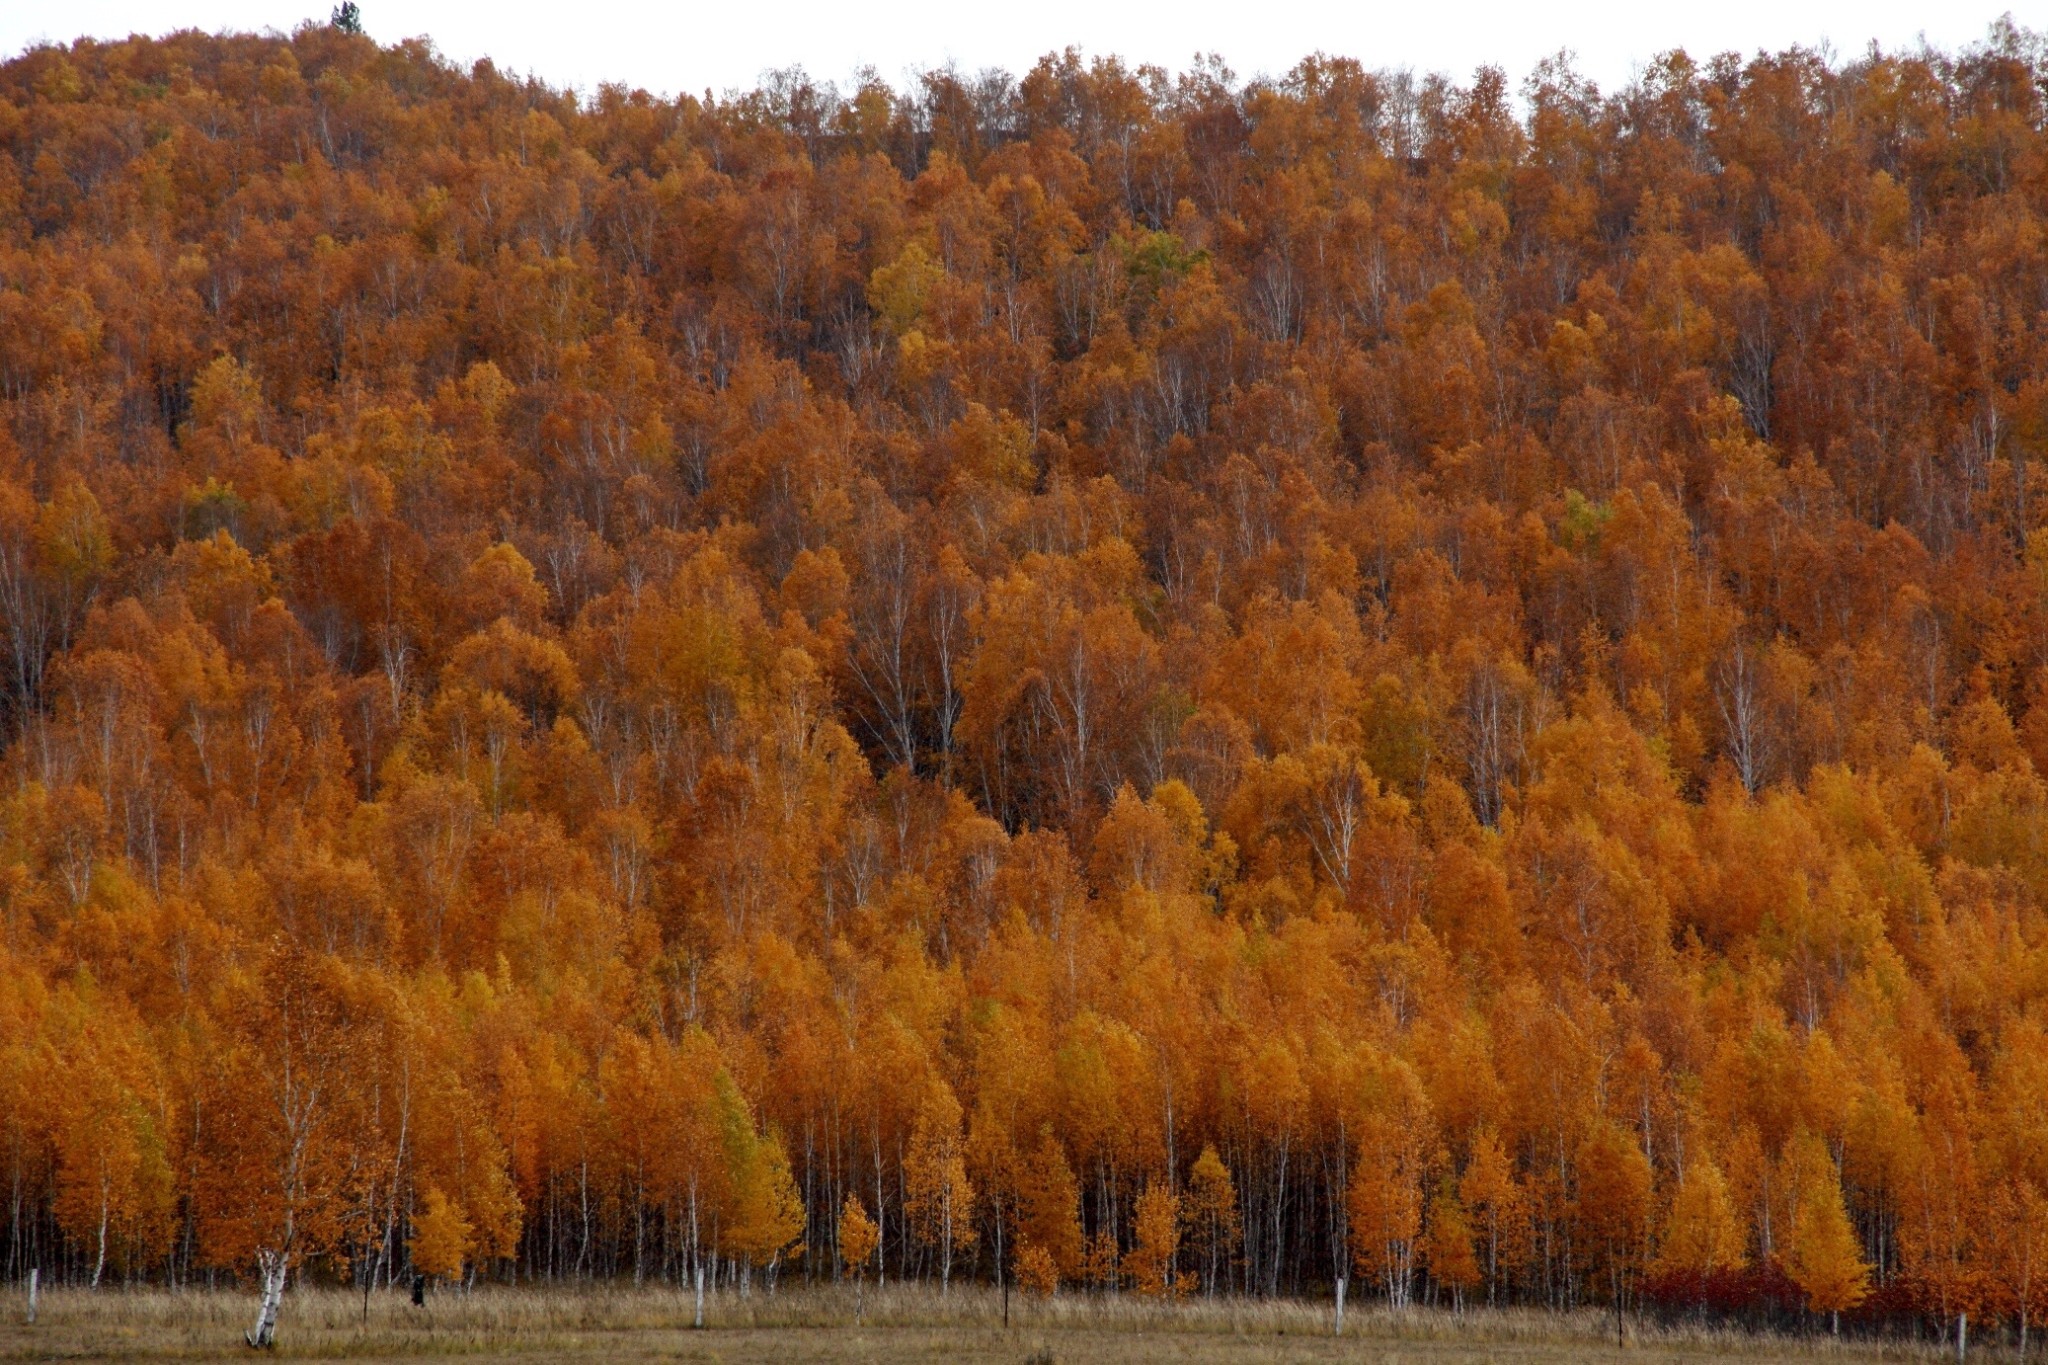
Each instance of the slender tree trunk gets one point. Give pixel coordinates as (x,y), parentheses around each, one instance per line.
(639,1231)
(35,1276)
(270,1265)
(99,1265)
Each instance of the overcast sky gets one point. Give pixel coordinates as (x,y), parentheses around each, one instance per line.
(720,46)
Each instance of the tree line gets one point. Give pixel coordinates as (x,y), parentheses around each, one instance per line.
(1151,681)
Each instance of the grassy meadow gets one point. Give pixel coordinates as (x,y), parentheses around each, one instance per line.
(899,1324)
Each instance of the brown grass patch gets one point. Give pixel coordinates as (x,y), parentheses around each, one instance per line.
(907,1323)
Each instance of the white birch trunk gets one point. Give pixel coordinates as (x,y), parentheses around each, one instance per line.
(99,1266)
(946,1235)
(35,1276)
(263,1335)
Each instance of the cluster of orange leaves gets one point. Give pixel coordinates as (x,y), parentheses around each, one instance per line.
(1158,680)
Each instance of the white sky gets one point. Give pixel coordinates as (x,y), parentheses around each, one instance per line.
(719,46)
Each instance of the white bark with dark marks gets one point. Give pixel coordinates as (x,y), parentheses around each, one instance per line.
(270,1266)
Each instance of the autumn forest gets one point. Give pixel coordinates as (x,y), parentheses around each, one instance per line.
(1109,681)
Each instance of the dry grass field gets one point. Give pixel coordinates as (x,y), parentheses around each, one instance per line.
(901,1324)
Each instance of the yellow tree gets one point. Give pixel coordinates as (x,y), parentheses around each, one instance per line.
(1447,1245)
(289,1127)
(938,1199)
(1489,1191)
(1614,1186)
(1385,1196)
(2018,1208)
(858,1239)
(113,1173)
(441,1237)
(766,1213)
(1703,1233)
(1214,1226)
(1048,1213)
(1037,1272)
(2016,1201)
(1153,1261)
(1823,1257)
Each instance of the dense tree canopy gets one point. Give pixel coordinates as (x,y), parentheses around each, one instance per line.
(1193,685)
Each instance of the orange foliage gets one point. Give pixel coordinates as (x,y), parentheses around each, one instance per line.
(1142,678)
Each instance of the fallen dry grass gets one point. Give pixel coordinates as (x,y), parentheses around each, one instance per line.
(907,1323)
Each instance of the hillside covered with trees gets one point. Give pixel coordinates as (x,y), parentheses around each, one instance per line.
(1145,681)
